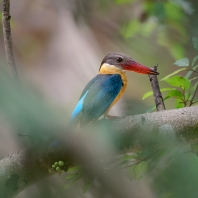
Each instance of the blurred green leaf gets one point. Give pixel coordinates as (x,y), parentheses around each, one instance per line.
(130,29)
(129,157)
(195,67)
(70,176)
(140,169)
(190,72)
(150,93)
(146,95)
(166,98)
(184,62)
(195,42)
(187,95)
(76,177)
(131,172)
(194,86)
(148,27)
(87,186)
(159,11)
(179,104)
(194,148)
(163,39)
(179,81)
(148,6)
(194,60)
(175,72)
(176,50)
(168,195)
(179,178)
(193,79)
(173,11)
(74,168)
(120,2)
(175,94)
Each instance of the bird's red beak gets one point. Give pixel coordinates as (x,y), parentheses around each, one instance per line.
(138,68)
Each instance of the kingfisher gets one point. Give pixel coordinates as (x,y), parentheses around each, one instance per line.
(106,88)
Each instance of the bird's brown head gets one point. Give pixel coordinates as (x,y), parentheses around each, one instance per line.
(124,62)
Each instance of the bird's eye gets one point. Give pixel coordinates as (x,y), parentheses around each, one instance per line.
(119,59)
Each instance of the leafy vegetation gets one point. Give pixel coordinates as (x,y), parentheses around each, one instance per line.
(165,18)
(186,86)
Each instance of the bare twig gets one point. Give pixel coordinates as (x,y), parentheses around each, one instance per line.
(7,36)
(191,101)
(195,102)
(144,159)
(193,70)
(156,92)
(183,99)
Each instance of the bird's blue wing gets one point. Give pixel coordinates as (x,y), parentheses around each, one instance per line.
(78,108)
(95,99)
(77,113)
(89,84)
(100,96)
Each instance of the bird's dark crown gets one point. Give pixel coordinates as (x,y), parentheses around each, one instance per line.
(115,58)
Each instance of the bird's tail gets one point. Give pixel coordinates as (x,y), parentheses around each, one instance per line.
(74,122)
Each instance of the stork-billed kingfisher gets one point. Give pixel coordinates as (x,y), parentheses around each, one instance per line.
(105,89)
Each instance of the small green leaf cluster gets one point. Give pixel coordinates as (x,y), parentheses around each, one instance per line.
(57,167)
(183,88)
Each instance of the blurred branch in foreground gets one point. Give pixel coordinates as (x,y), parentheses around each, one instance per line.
(127,128)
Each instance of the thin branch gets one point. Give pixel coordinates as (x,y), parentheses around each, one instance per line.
(183,99)
(191,101)
(156,92)
(195,102)
(193,70)
(144,159)
(7,37)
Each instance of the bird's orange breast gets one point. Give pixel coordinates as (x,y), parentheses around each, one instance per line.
(111,69)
